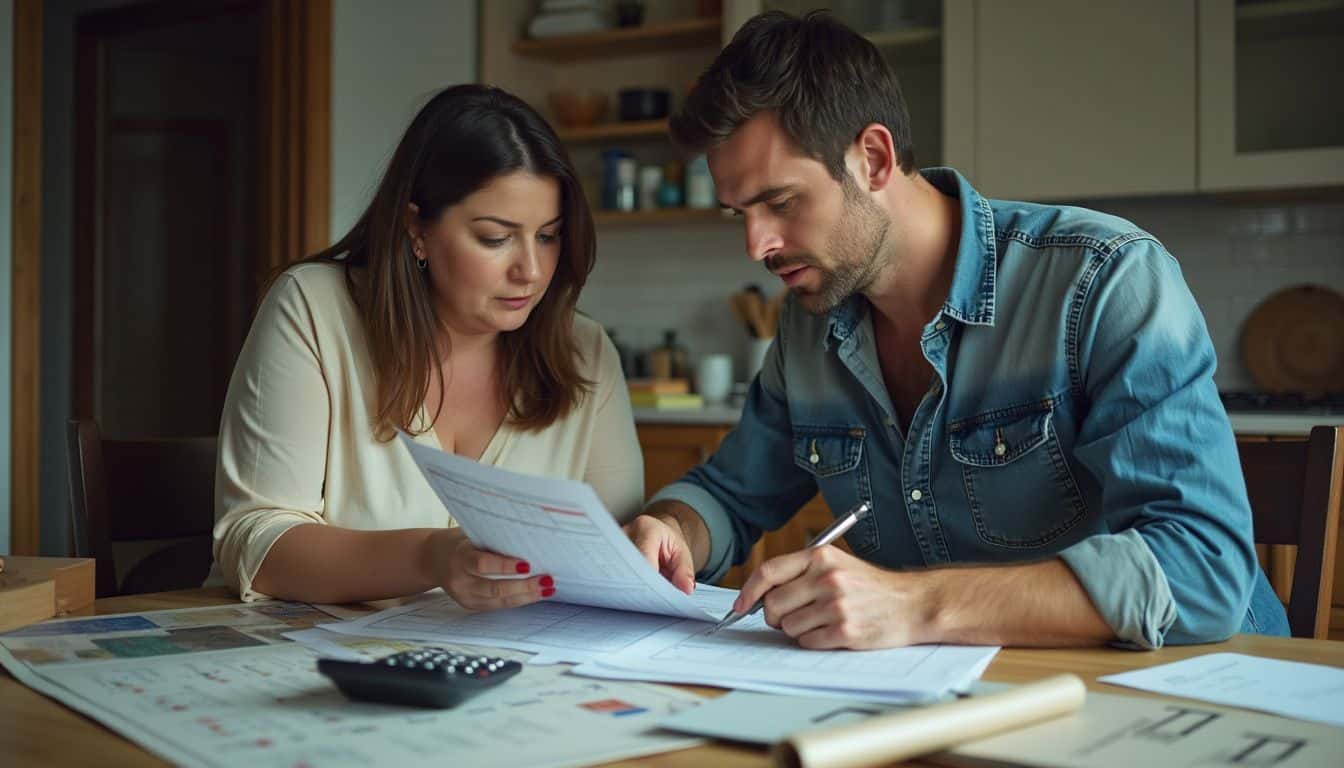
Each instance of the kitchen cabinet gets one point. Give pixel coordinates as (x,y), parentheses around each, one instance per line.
(1056,99)
(670,450)
(1271,75)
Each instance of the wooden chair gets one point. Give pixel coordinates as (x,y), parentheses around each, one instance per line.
(1296,489)
(136,494)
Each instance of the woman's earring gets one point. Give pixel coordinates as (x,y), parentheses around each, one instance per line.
(422,263)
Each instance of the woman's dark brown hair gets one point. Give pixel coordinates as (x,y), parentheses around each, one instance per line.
(464,137)
(825,81)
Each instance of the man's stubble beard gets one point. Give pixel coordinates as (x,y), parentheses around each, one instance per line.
(856,244)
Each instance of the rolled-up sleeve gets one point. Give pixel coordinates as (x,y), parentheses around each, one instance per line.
(1179,565)
(745,488)
(272,438)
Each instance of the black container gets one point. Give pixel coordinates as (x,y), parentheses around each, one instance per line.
(629,13)
(644,103)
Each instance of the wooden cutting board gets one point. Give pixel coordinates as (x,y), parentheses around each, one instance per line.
(1294,341)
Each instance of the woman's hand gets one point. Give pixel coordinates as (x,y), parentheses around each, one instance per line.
(451,561)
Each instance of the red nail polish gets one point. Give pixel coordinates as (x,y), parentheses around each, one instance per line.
(523,567)
(548,592)
(547,581)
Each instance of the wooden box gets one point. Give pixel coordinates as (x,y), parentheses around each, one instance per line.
(33,589)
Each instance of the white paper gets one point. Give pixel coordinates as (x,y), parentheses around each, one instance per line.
(560,527)
(227,687)
(751,654)
(1291,688)
(762,718)
(1112,731)
(557,632)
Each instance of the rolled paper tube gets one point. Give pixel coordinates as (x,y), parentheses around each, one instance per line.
(890,738)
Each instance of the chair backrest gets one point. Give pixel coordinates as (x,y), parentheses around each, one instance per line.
(142,490)
(1296,488)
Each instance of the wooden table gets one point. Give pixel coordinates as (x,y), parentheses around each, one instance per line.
(35,730)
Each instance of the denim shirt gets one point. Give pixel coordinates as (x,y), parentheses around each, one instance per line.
(1072,413)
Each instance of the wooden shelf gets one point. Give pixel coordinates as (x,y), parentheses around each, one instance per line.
(1290,19)
(644,129)
(1287,8)
(903,38)
(659,216)
(654,38)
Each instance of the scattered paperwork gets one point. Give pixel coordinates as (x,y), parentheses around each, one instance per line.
(751,655)
(227,687)
(1290,688)
(612,610)
(621,645)
(555,631)
(1113,731)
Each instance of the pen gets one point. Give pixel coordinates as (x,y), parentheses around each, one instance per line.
(832,532)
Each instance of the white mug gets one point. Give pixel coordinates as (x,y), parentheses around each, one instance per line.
(714,378)
(756,350)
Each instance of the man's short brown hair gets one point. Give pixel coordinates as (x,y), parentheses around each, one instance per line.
(824,81)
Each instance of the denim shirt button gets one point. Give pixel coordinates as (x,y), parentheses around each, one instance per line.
(1000,449)
(940,325)
(916,494)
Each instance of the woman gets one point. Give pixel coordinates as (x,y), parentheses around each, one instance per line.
(447,312)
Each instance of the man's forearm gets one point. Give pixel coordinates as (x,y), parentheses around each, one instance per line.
(1037,604)
(692,527)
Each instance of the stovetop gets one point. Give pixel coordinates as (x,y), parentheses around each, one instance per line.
(1283,402)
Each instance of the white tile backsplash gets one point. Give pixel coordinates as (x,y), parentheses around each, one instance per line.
(1233,256)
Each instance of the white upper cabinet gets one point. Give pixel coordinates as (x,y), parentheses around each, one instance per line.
(1271,104)
(1058,99)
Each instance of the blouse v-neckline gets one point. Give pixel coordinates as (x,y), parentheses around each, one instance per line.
(494,449)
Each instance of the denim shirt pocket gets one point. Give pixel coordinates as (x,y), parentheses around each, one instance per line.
(834,456)
(1018,485)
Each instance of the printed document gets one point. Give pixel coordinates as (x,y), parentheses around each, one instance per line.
(227,686)
(1113,731)
(560,527)
(557,632)
(751,655)
(1290,688)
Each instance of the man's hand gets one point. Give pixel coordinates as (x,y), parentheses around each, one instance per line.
(827,598)
(661,540)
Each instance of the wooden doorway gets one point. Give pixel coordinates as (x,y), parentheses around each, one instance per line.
(166,231)
(201,164)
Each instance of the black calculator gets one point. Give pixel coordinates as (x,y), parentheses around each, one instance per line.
(425,677)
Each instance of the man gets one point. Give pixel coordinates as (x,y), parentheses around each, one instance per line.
(1023,392)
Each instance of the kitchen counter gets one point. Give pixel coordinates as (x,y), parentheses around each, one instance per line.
(1280,423)
(710,414)
(1243,423)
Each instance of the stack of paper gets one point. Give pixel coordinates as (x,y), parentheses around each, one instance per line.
(622,620)
(751,655)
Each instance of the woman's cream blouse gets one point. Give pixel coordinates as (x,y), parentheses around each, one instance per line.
(296,442)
